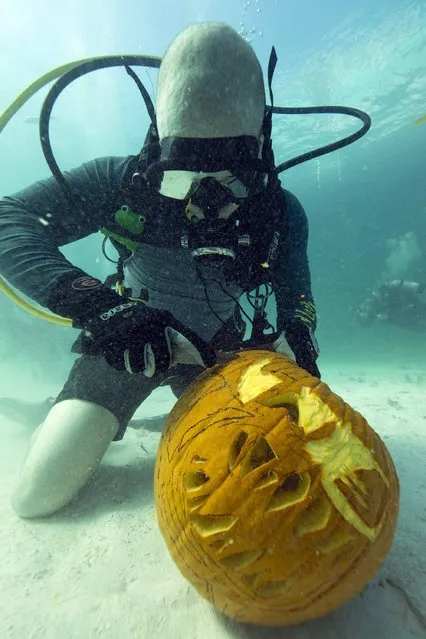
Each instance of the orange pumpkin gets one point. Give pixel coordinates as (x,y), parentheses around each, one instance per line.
(276,499)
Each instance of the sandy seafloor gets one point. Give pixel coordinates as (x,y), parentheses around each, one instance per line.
(100,568)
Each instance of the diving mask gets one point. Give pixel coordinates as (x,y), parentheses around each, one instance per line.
(184,163)
(181,185)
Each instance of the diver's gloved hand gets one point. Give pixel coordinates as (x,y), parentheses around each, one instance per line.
(303,344)
(137,338)
(130,335)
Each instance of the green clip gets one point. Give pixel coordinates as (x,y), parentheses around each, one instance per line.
(129,220)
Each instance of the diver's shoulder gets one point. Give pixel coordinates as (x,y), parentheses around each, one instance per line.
(292,201)
(111,164)
(291,204)
(105,172)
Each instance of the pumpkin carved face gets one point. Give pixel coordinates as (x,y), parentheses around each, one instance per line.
(277,501)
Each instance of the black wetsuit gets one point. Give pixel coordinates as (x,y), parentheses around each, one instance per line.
(35,222)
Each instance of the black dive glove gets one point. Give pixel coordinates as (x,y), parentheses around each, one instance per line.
(130,335)
(303,344)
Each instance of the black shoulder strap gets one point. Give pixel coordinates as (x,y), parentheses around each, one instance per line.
(150,152)
(267,152)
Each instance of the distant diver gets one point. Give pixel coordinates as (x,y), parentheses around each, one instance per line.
(400,303)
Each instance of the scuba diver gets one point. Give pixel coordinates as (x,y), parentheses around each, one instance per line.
(198,218)
(399,302)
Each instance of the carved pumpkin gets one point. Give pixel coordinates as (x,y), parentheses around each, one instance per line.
(277,501)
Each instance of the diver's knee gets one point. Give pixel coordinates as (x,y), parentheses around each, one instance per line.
(29,503)
(66,450)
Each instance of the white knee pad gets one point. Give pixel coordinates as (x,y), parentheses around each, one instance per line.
(64,452)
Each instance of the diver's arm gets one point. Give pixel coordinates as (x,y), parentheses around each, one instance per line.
(36,221)
(296,314)
(292,283)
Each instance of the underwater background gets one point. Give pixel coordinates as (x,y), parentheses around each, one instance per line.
(99,568)
(371,56)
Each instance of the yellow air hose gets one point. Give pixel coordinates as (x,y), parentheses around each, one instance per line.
(30,308)
(5,117)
